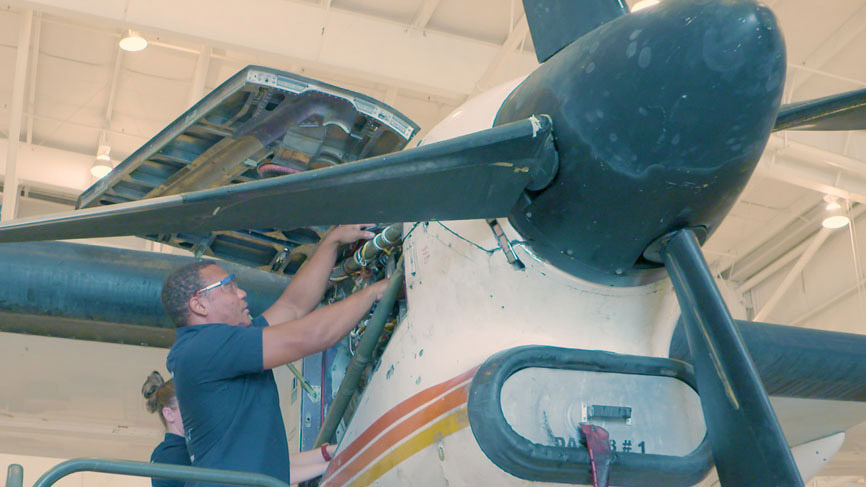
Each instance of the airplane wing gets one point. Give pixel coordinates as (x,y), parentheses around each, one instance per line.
(806,372)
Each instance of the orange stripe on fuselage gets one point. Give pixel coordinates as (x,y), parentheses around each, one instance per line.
(394,415)
(451,423)
(437,408)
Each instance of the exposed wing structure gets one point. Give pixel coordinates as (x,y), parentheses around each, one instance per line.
(554,24)
(259,123)
(479,175)
(845,111)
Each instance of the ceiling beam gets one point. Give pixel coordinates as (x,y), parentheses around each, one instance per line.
(857,287)
(814,168)
(831,47)
(424,13)
(199,76)
(814,244)
(775,265)
(422,91)
(292,30)
(34,65)
(16,113)
(782,222)
(515,37)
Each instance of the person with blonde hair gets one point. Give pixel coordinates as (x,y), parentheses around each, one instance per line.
(161,397)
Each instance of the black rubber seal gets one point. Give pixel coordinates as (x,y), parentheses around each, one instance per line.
(531,461)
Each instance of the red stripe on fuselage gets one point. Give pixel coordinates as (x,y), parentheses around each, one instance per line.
(393,416)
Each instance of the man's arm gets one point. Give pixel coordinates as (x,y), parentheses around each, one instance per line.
(308,285)
(318,330)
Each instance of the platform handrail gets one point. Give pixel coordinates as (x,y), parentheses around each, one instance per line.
(15,475)
(155,470)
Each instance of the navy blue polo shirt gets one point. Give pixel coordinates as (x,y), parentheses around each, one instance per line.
(172,451)
(229,404)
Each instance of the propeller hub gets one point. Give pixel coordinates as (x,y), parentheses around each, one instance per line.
(659,117)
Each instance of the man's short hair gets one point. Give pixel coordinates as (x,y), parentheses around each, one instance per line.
(179,287)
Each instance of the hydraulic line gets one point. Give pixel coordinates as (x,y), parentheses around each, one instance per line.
(362,357)
(385,239)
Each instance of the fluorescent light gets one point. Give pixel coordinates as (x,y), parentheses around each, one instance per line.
(133,41)
(643,4)
(100,168)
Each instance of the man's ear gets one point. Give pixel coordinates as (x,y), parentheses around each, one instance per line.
(197,306)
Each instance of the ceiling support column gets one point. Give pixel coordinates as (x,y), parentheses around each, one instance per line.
(10,186)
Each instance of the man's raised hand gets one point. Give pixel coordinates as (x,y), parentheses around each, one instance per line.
(345,234)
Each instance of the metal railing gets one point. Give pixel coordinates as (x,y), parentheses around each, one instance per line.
(144,469)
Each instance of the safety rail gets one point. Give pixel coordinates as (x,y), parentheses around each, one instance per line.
(153,470)
(15,476)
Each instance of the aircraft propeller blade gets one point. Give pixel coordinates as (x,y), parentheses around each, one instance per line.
(479,175)
(748,445)
(844,111)
(553,24)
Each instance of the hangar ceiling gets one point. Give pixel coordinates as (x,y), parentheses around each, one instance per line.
(425,58)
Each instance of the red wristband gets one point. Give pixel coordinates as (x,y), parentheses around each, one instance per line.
(325,453)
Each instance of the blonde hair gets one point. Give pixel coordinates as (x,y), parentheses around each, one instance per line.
(158,394)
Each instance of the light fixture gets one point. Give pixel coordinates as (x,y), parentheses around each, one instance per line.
(643,4)
(835,217)
(102,165)
(133,41)
(102,153)
(100,168)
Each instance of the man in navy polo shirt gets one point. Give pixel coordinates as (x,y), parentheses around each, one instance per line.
(222,359)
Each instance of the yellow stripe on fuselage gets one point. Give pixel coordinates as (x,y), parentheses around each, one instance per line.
(454,422)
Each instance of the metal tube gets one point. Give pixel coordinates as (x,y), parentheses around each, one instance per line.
(155,470)
(362,357)
(305,384)
(15,475)
(387,238)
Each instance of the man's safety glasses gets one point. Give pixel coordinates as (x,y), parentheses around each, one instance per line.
(217,284)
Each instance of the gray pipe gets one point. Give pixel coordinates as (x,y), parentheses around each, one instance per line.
(102,293)
(155,470)
(362,357)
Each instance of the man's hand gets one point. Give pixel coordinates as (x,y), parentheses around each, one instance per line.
(345,234)
(378,287)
